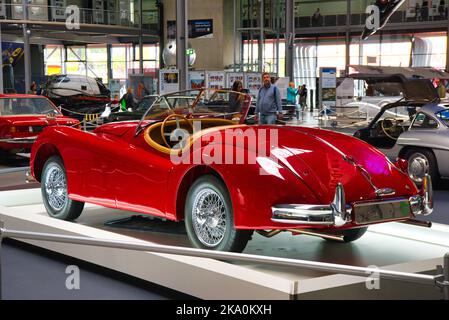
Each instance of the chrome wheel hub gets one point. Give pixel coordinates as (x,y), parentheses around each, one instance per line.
(56,187)
(418,167)
(209,217)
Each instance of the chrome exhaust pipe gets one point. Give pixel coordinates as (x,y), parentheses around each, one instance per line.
(269,234)
(418,223)
(318,234)
(272,233)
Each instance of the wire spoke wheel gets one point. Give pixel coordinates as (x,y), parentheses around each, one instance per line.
(209,217)
(56,187)
(55,192)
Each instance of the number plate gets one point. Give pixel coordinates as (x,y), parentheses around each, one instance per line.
(365,213)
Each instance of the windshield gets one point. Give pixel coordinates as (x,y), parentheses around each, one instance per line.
(145,103)
(205,103)
(444,116)
(399,112)
(26,106)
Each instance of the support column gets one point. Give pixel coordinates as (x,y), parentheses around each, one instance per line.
(234,31)
(109,61)
(181,42)
(160,9)
(289,37)
(140,38)
(447,47)
(26,47)
(261,35)
(348,37)
(1,72)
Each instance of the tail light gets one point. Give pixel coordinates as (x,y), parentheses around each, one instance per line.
(12,129)
(402,164)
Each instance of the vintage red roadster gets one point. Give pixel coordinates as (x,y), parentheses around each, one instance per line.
(309,180)
(23,117)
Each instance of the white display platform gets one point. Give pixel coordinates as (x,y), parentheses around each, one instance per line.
(389,246)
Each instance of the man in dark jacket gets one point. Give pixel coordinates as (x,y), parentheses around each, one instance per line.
(269,103)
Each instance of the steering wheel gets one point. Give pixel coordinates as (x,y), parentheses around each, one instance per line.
(178,126)
(390,130)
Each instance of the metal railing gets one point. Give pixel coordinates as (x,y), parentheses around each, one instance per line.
(123,18)
(356,19)
(440,280)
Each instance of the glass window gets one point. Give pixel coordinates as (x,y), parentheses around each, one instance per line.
(15,106)
(76,53)
(444,116)
(429,50)
(423,121)
(53,59)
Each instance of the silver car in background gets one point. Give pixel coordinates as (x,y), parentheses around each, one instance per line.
(426,144)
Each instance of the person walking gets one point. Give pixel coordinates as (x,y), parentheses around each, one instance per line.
(303,97)
(292,92)
(269,105)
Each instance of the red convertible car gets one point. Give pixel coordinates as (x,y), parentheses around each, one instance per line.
(308,181)
(23,117)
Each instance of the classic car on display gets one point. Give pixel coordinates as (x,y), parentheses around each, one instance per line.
(23,117)
(415,129)
(226,180)
(77,94)
(214,103)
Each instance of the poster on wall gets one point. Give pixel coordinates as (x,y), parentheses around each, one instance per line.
(11,53)
(253,82)
(114,87)
(197,80)
(231,77)
(216,80)
(168,81)
(328,88)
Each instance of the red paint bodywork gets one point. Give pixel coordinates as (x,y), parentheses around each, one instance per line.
(114,168)
(22,124)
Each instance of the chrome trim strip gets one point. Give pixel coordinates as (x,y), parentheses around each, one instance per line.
(20,140)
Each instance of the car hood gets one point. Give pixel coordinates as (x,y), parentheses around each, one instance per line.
(322,159)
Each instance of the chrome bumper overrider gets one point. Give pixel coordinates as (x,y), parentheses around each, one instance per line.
(26,140)
(338,213)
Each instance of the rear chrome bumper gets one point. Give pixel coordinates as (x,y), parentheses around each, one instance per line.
(338,214)
(26,140)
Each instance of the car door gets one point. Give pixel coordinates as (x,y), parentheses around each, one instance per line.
(140,178)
